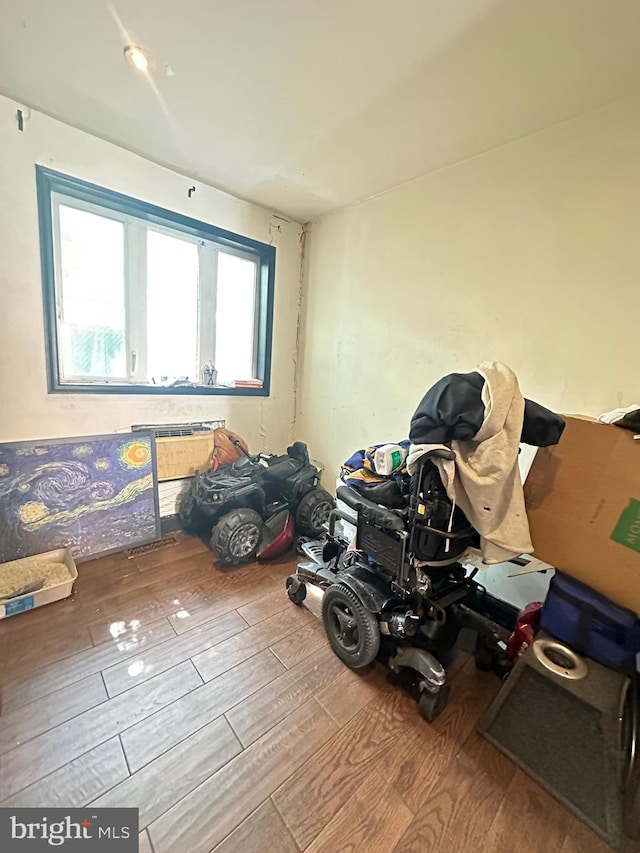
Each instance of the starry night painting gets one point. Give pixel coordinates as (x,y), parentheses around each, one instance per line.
(92,495)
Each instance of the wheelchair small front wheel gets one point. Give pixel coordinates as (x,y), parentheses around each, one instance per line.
(296,589)
(484,655)
(431,704)
(353,632)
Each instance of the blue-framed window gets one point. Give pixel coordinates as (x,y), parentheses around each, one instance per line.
(139,299)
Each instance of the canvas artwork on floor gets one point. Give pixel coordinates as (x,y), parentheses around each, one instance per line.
(92,495)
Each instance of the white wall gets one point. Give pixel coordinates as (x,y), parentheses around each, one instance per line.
(27,411)
(529,254)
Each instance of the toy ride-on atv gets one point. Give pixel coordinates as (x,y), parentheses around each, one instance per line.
(248,506)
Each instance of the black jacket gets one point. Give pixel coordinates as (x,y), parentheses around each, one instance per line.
(453,409)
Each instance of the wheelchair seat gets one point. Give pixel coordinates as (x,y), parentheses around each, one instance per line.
(438,533)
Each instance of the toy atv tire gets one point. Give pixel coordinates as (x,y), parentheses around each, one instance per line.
(313,512)
(236,536)
(192,519)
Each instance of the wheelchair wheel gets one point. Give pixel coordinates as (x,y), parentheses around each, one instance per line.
(353,632)
(296,589)
(484,655)
(630,741)
(431,704)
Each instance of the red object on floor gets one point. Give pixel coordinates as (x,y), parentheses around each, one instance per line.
(277,535)
(526,628)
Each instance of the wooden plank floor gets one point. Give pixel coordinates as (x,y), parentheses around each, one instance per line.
(215,706)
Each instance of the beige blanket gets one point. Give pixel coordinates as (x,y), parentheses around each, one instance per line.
(486,483)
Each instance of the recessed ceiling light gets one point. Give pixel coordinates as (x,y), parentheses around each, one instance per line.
(138,57)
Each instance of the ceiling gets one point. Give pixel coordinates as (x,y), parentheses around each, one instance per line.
(307,105)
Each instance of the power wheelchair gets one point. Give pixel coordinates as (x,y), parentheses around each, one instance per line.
(399,591)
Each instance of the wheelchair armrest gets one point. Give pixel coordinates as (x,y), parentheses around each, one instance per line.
(370,511)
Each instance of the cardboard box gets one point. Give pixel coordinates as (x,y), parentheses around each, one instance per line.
(181,456)
(583,503)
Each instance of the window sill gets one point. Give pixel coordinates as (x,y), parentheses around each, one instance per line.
(161,390)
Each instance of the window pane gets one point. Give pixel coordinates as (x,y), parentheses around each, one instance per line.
(172,308)
(235,317)
(92,328)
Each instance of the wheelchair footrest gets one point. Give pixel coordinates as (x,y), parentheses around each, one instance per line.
(313,550)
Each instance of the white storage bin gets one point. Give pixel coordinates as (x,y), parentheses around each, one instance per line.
(41,596)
